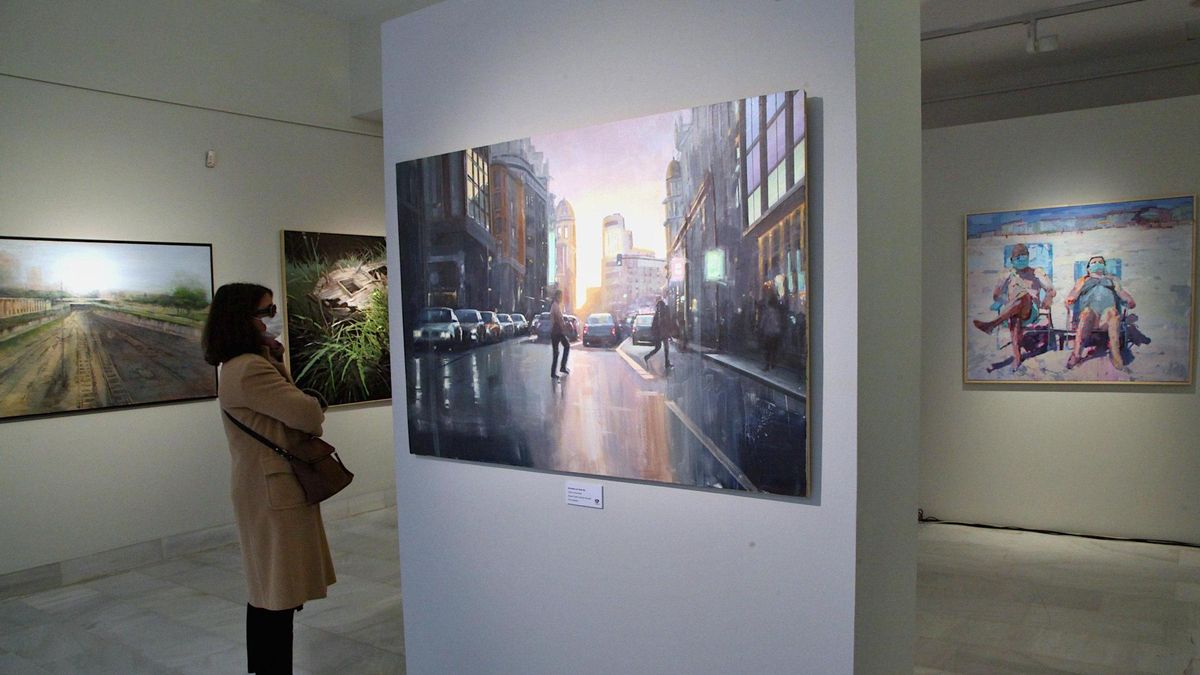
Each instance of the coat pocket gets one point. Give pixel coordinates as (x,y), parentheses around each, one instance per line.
(283,488)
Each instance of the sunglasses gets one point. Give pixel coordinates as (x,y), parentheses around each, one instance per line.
(268,311)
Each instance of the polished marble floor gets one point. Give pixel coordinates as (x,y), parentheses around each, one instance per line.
(995,601)
(988,602)
(187,615)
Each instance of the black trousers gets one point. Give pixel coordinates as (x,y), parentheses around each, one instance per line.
(555,340)
(665,345)
(269,640)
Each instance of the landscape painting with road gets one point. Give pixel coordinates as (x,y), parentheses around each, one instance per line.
(628,300)
(86,325)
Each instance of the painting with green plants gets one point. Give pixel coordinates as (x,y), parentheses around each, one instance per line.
(337,315)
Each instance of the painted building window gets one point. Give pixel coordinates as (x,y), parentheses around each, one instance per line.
(777,149)
(477,186)
(752,118)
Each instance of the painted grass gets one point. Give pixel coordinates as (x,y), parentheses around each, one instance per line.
(22,319)
(347,359)
(25,339)
(157,316)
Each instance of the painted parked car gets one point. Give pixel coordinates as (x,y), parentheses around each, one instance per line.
(492,331)
(541,326)
(437,328)
(521,323)
(601,329)
(507,327)
(542,329)
(472,325)
(641,329)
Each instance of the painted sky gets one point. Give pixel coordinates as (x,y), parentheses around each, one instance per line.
(1085,214)
(81,267)
(619,167)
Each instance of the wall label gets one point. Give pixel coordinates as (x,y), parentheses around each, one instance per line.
(585,494)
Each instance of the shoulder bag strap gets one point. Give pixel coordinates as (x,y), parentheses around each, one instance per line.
(259,437)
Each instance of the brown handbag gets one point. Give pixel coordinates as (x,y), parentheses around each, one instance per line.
(315,463)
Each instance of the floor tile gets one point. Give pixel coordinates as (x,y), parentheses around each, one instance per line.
(320,651)
(16,614)
(50,642)
(993,601)
(11,663)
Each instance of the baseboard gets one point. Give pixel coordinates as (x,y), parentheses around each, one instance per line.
(125,558)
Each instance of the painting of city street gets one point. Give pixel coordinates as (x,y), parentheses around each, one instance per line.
(86,325)
(336,306)
(628,300)
(1094,293)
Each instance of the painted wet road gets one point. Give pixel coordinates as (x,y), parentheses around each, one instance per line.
(86,360)
(611,416)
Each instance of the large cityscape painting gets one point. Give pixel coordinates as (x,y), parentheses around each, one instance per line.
(86,325)
(628,300)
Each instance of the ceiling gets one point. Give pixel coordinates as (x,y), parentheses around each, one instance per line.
(357,10)
(1087,29)
(981,48)
(1091,29)
(1096,29)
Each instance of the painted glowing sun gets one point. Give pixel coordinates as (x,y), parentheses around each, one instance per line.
(83,274)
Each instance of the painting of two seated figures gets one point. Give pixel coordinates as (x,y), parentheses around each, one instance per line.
(1096,293)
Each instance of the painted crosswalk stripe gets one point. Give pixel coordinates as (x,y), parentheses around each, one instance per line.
(637,368)
(707,442)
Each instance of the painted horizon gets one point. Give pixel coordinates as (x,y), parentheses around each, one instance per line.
(1081,217)
(1139,295)
(677,244)
(90,325)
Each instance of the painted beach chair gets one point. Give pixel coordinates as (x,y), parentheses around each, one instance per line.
(1041,326)
(1113,267)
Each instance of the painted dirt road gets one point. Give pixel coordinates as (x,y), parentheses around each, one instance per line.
(88,359)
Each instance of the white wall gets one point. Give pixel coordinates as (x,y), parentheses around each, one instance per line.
(1121,460)
(500,575)
(253,57)
(366,63)
(87,164)
(887,68)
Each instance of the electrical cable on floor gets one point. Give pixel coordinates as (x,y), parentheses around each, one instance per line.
(922,518)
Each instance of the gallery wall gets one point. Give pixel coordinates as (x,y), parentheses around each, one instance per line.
(263,57)
(92,164)
(499,574)
(1112,460)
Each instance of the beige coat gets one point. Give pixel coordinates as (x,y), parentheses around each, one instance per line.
(284,551)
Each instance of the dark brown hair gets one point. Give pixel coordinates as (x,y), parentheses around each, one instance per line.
(229,330)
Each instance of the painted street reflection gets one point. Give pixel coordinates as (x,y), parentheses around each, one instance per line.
(703,424)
